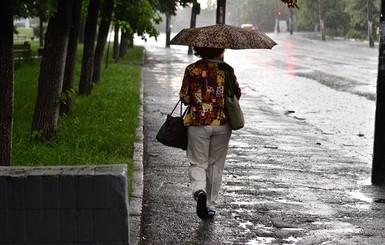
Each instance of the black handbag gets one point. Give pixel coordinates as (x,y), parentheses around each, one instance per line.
(173,132)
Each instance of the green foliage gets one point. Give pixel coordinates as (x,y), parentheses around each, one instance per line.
(137,17)
(308,16)
(101,129)
(357,11)
(346,18)
(66,95)
(32,8)
(170,6)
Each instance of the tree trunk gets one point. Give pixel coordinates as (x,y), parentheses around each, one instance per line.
(168,30)
(124,39)
(291,24)
(81,29)
(370,23)
(116,43)
(378,171)
(277,17)
(51,76)
(41,32)
(85,84)
(192,24)
(321,22)
(6,82)
(108,8)
(131,41)
(221,12)
(69,73)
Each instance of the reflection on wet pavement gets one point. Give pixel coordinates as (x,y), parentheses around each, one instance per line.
(291,178)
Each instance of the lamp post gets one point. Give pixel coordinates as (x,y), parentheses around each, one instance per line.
(378,165)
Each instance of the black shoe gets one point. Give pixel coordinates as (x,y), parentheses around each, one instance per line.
(202,211)
(210,213)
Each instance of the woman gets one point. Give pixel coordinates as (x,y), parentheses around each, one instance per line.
(208,128)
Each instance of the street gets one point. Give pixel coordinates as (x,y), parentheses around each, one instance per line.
(298,173)
(311,75)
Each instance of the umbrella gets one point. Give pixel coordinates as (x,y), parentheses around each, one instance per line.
(223,36)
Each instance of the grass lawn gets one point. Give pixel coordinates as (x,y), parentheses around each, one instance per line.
(101,129)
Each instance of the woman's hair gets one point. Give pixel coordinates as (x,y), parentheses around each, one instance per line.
(208,53)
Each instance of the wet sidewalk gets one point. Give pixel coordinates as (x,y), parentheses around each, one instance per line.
(285,181)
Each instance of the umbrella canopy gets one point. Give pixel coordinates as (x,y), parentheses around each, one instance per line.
(223,36)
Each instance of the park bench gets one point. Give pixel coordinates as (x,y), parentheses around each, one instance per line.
(22,50)
(20,38)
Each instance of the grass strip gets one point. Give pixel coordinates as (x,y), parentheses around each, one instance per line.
(101,129)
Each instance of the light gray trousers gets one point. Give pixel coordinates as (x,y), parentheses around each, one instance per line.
(206,151)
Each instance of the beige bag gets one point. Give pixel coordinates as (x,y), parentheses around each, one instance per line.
(232,106)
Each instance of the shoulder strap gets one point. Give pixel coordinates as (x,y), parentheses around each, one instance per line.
(229,86)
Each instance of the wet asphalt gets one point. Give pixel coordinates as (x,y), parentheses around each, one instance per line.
(285,181)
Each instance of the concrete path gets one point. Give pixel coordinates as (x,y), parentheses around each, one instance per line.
(285,182)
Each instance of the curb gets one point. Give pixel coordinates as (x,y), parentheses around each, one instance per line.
(136,200)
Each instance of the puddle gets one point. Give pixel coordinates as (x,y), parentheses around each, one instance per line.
(261,240)
(288,202)
(244,203)
(247,223)
(293,240)
(338,227)
(292,229)
(360,196)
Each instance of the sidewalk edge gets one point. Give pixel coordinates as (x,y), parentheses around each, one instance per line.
(135,203)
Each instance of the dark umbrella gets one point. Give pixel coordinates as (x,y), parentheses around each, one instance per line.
(223,36)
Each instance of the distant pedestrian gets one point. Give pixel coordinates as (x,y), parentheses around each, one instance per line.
(208,128)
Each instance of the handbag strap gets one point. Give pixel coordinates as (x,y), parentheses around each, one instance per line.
(229,84)
(181,109)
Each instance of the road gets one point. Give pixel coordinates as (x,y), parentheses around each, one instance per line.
(331,85)
(298,173)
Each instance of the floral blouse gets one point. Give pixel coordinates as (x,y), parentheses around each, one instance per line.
(203,89)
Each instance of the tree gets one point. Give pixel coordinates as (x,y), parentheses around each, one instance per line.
(41,10)
(169,8)
(6,82)
(85,84)
(360,16)
(116,43)
(195,10)
(124,42)
(104,27)
(46,114)
(134,17)
(370,23)
(328,16)
(68,91)
(221,11)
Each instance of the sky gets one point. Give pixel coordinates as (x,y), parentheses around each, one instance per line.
(203,3)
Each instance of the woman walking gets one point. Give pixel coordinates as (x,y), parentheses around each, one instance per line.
(203,89)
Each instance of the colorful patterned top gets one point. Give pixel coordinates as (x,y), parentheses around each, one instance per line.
(203,89)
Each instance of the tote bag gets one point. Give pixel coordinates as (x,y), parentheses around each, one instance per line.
(173,132)
(232,106)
